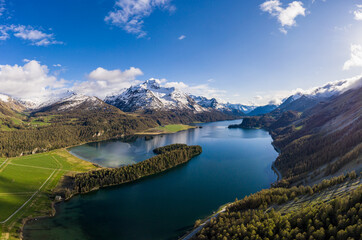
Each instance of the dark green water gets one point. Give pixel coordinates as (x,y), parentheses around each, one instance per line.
(234,163)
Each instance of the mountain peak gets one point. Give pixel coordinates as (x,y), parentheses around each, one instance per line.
(151,83)
(151,95)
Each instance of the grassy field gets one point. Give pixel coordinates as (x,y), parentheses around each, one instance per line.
(172,128)
(26,184)
(21,120)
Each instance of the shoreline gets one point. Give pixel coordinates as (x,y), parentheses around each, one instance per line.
(54,203)
(192,232)
(164,132)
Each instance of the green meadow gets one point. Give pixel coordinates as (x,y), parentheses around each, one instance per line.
(171,128)
(26,184)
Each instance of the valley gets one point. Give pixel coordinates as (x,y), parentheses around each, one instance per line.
(188,120)
(190,191)
(108,134)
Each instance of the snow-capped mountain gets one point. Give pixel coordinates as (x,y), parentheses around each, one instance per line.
(10,103)
(305,99)
(41,101)
(73,102)
(150,95)
(237,109)
(335,88)
(205,102)
(240,107)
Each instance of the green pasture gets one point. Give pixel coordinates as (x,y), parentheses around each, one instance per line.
(26,184)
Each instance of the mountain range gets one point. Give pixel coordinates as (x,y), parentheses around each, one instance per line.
(150,96)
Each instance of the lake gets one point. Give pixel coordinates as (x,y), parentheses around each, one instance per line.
(234,163)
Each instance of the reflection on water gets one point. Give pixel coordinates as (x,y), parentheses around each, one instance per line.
(116,153)
(234,163)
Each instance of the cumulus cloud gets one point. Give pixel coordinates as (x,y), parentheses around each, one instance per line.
(102,82)
(286,16)
(204,90)
(28,81)
(34,36)
(182,37)
(129,14)
(356,57)
(358,13)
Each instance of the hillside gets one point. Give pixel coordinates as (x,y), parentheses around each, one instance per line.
(71,121)
(329,210)
(323,140)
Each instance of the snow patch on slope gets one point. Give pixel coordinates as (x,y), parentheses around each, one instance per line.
(4,98)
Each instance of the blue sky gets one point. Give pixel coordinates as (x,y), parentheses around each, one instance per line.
(239,51)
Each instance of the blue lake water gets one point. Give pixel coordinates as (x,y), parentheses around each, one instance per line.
(234,163)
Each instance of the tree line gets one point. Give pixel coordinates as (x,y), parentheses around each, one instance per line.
(70,129)
(169,157)
(254,217)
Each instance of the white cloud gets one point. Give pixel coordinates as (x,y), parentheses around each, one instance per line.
(129,14)
(313,1)
(358,13)
(182,37)
(102,82)
(356,57)
(2,7)
(28,81)
(286,16)
(57,65)
(343,28)
(36,37)
(198,90)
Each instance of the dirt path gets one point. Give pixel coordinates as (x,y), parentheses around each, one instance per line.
(198,229)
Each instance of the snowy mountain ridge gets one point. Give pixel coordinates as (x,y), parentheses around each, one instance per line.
(150,95)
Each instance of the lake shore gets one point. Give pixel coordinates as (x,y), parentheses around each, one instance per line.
(211,129)
(167,129)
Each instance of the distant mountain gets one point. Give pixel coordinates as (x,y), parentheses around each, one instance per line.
(240,107)
(299,104)
(304,100)
(75,102)
(263,110)
(205,102)
(41,101)
(230,108)
(151,96)
(9,105)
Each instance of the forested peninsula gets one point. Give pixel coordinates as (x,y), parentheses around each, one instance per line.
(168,157)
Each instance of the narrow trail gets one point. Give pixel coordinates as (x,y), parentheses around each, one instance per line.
(198,229)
